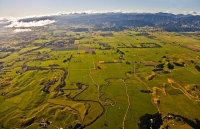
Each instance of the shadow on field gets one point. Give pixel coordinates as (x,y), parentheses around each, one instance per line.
(154,121)
(194,124)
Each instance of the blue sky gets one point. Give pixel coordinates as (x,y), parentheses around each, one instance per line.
(19,8)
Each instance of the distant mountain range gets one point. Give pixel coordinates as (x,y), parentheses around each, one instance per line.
(169,22)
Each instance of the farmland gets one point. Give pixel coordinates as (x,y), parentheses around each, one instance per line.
(97,79)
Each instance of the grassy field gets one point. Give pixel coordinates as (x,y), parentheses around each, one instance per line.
(99,85)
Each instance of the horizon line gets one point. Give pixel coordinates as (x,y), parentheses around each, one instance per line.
(97,12)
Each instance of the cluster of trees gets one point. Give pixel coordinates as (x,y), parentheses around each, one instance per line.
(128,63)
(179,64)
(149,45)
(48,84)
(107,34)
(197,67)
(68,59)
(7,50)
(62,81)
(170,66)
(80,29)
(35,68)
(53,65)
(1,67)
(148,121)
(121,52)
(146,91)
(106,48)
(104,44)
(79,85)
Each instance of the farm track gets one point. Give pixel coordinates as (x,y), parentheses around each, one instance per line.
(128,104)
(150,94)
(185,93)
(98,87)
(192,72)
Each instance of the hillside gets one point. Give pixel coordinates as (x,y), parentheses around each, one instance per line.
(168,22)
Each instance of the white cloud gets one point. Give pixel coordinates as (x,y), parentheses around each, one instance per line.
(21,30)
(30,24)
(14,22)
(94,12)
(89,12)
(193,12)
(15,19)
(169,11)
(3,22)
(185,12)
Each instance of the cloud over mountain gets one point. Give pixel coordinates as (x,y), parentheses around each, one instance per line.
(18,24)
(193,12)
(42,20)
(169,11)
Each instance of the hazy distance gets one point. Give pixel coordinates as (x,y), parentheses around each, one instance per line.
(21,8)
